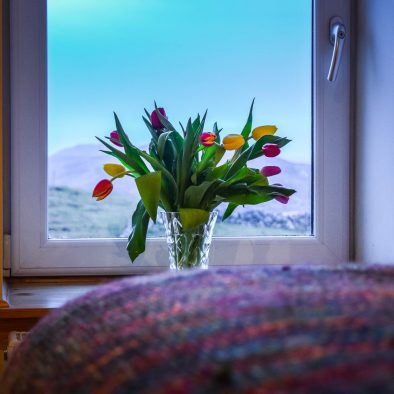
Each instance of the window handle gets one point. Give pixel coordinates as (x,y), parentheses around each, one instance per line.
(337,39)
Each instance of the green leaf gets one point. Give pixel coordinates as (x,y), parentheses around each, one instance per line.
(127,161)
(147,114)
(167,202)
(208,154)
(217,131)
(189,152)
(196,122)
(227,189)
(220,151)
(150,128)
(191,217)
(170,157)
(177,139)
(161,143)
(137,238)
(194,195)
(218,172)
(242,193)
(164,121)
(239,163)
(240,176)
(130,150)
(170,146)
(159,167)
(211,194)
(183,129)
(248,198)
(194,178)
(229,210)
(250,176)
(153,150)
(247,128)
(149,186)
(259,180)
(133,173)
(273,190)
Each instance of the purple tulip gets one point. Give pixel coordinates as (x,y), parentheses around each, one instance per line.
(156,124)
(282,199)
(271,150)
(270,171)
(114,138)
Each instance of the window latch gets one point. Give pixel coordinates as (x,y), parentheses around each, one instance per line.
(337,39)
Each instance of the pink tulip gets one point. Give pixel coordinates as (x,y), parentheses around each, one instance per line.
(156,124)
(207,138)
(282,199)
(270,171)
(114,138)
(271,150)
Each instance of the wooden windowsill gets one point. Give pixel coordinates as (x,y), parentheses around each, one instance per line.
(36,297)
(30,299)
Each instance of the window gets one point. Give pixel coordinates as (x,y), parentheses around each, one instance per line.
(69,74)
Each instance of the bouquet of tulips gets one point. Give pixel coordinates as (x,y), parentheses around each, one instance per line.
(184,171)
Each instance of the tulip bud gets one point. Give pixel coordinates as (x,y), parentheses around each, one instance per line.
(282,199)
(102,189)
(261,131)
(271,150)
(233,141)
(114,169)
(207,138)
(114,138)
(156,124)
(270,171)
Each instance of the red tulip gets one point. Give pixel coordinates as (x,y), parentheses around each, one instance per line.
(102,189)
(156,124)
(114,138)
(207,138)
(270,171)
(282,199)
(271,150)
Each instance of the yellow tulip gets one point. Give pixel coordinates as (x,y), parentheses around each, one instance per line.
(261,131)
(114,169)
(233,141)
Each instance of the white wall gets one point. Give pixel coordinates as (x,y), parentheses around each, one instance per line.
(374,130)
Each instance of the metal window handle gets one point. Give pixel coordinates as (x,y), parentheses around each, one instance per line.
(337,39)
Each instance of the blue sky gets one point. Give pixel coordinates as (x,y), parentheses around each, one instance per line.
(188,56)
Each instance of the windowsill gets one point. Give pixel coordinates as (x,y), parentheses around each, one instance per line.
(33,298)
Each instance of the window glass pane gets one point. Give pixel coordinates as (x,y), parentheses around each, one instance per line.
(120,55)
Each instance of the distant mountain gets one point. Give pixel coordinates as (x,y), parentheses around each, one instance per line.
(73,214)
(81,167)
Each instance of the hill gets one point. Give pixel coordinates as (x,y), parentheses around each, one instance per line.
(72,213)
(81,167)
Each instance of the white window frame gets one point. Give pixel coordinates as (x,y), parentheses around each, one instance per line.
(34,254)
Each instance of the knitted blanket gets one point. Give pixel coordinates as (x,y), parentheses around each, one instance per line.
(243,330)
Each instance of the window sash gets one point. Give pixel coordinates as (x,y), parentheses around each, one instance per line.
(34,254)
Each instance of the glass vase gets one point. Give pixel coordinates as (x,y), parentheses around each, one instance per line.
(188,248)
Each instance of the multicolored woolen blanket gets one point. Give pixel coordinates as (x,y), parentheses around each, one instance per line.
(242,330)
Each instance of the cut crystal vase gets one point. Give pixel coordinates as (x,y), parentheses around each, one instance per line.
(188,248)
